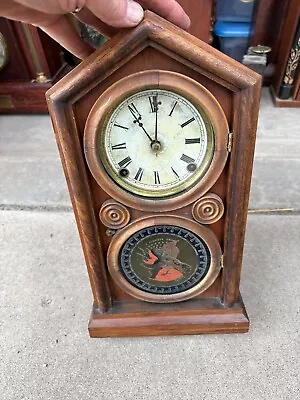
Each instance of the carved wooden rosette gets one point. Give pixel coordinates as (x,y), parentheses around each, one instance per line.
(209,209)
(114,215)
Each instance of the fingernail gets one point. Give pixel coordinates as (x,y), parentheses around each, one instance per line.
(135,13)
(186,22)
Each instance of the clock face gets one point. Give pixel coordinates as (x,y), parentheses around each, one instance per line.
(156,140)
(156,143)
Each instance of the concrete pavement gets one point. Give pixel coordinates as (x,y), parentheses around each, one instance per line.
(45,298)
(45,302)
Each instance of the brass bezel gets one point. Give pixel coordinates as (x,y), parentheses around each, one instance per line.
(205,233)
(162,193)
(198,95)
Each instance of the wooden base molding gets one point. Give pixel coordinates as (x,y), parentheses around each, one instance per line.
(193,317)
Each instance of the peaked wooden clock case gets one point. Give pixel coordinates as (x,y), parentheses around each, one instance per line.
(156,132)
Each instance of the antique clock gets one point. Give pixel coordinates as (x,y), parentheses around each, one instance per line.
(156,132)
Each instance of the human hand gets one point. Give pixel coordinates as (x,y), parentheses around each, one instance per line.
(105,16)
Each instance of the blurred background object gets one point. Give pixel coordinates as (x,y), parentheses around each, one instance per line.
(235,10)
(233,26)
(30,61)
(285,85)
(256,58)
(90,35)
(233,38)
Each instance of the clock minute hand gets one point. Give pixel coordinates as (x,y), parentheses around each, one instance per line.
(156,118)
(137,119)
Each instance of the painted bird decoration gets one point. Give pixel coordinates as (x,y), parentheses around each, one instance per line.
(164,264)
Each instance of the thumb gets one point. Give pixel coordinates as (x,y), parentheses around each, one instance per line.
(117,13)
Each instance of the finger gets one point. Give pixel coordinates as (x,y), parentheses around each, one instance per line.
(58,27)
(168,9)
(63,32)
(117,13)
(88,18)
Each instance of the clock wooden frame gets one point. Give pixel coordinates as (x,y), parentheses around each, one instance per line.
(158,44)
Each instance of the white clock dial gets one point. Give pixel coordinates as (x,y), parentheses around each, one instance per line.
(156,143)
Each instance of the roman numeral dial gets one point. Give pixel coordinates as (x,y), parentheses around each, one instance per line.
(186,123)
(173,108)
(119,146)
(125,162)
(155,143)
(139,174)
(192,141)
(156,178)
(187,159)
(121,126)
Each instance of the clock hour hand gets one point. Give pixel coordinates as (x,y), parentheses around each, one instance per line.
(137,119)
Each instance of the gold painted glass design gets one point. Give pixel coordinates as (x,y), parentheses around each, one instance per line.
(164,259)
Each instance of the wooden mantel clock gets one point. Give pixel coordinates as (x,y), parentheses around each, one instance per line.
(156,132)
